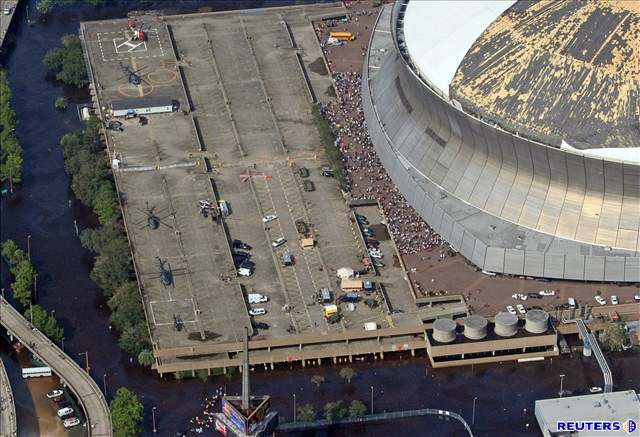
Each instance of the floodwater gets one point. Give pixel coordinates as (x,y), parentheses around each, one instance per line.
(46,210)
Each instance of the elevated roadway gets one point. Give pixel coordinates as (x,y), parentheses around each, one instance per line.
(8,423)
(95,408)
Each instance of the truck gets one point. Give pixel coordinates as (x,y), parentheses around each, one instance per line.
(257,298)
(324,295)
(330,310)
(287,259)
(351,284)
(370,326)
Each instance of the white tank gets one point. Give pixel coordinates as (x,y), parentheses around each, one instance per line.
(536,321)
(506,324)
(444,330)
(475,327)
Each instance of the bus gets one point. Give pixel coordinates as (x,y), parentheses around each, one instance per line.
(36,372)
(342,36)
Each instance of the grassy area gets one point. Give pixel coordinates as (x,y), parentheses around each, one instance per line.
(328,140)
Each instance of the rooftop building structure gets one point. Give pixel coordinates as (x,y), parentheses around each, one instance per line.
(621,407)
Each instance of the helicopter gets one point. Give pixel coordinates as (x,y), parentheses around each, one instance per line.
(132,76)
(177,323)
(153,222)
(166,275)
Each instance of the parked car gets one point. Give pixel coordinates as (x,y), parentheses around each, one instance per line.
(521,309)
(269,218)
(547,292)
(534,296)
(362,219)
(600,300)
(614,300)
(71,422)
(375,253)
(368,232)
(303,172)
(572,302)
(327,172)
(595,389)
(511,310)
(237,244)
(7,10)
(257,311)
(278,242)
(378,263)
(65,411)
(261,325)
(637,297)
(308,186)
(54,394)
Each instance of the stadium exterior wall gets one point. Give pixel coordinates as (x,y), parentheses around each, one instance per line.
(508,204)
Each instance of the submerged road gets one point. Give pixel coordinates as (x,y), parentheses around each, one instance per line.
(8,424)
(80,382)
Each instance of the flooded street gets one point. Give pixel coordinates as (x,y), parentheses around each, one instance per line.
(46,210)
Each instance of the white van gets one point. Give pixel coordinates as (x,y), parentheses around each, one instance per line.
(257,298)
(572,302)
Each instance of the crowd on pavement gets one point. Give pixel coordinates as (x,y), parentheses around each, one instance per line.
(365,175)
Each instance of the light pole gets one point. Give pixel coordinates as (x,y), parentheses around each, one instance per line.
(473,413)
(153,416)
(35,286)
(371,399)
(62,344)
(561,380)
(31,312)
(295,418)
(86,362)
(29,246)
(104,385)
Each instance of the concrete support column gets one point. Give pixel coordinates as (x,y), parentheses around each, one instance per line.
(304,363)
(350,358)
(272,366)
(381,355)
(413,352)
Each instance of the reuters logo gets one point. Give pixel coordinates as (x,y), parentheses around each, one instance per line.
(629,426)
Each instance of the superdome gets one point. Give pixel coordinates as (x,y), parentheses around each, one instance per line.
(513,129)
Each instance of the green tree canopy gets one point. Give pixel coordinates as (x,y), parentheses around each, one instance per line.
(614,336)
(306,413)
(335,410)
(10,149)
(126,413)
(134,339)
(357,409)
(145,358)
(126,306)
(22,287)
(105,203)
(318,380)
(67,62)
(347,373)
(46,323)
(13,253)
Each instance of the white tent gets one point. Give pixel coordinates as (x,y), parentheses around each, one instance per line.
(345,273)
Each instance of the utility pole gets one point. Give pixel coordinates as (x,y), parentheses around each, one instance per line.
(245,373)
(153,416)
(371,399)
(473,414)
(104,385)
(295,419)
(561,381)
(29,246)
(35,286)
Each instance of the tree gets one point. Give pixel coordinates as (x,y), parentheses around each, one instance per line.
(347,373)
(23,285)
(614,336)
(67,62)
(134,339)
(46,323)
(105,203)
(10,149)
(146,358)
(13,253)
(318,380)
(335,410)
(61,103)
(126,306)
(307,413)
(126,413)
(357,409)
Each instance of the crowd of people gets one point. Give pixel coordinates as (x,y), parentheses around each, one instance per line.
(206,420)
(366,177)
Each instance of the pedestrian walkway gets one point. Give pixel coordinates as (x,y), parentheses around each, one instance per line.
(80,382)
(8,424)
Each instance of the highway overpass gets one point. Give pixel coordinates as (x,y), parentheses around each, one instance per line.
(80,382)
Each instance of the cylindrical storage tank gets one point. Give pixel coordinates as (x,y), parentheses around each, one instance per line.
(444,330)
(475,327)
(537,321)
(506,324)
